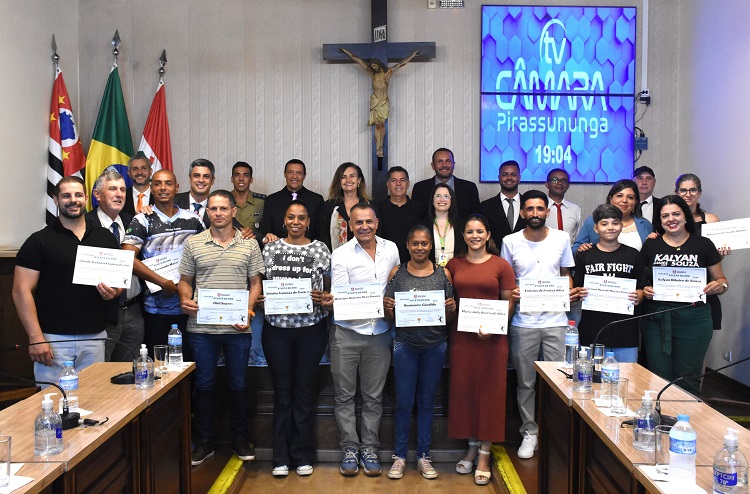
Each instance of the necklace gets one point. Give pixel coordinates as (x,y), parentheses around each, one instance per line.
(676,246)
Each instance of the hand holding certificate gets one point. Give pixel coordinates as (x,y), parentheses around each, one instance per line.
(551,295)
(609,294)
(94,265)
(733,234)
(358,301)
(165,265)
(679,284)
(420,308)
(288,296)
(223,307)
(487,316)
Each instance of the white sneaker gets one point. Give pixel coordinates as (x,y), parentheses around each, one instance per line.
(529,444)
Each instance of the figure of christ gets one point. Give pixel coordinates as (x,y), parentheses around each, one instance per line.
(380,105)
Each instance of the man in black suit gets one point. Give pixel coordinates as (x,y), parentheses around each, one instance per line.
(139,171)
(201,176)
(646,180)
(124,319)
(502,210)
(467,195)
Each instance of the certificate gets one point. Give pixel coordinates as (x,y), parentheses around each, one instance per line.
(733,233)
(287,296)
(420,308)
(679,284)
(165,265)
(94,265)
(491,316)
(225,307)
(609,294)
(551,295)
(360,301)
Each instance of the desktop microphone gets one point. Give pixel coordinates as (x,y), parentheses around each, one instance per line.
(69,419)
(598,374)
(669,420)
(127,377)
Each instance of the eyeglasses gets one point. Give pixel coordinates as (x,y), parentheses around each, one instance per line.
(691,191)
(443,196)
(556,180)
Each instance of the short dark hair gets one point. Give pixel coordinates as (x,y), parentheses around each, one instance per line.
(70,179)
(205,163)
(396,169)
(555,170)
(225,194)
(440,150)
(643,169)
(606,211)
(363,206)
(139,156)
(297,202)
(623,184)
(419,228)
(690,225)
(509,163)
(295,161)
(534,194)
(242,164)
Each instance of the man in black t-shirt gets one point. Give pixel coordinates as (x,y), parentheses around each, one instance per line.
(610,258)
(49,304)
(398,213)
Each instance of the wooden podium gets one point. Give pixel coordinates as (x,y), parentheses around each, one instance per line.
(143,447)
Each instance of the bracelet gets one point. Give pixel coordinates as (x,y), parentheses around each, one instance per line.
(250,313)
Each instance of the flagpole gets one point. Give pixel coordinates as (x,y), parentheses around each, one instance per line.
(55,56)
(162,63)
(116,45)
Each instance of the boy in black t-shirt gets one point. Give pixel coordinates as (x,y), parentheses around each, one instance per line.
(609,258)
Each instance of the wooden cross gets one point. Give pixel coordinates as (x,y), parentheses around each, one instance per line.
(383,51)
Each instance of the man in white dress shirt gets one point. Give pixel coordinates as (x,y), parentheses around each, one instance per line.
(563,214)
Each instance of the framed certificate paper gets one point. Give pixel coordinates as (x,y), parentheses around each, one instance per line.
(679,284)
(287,296)
(359,301)
(550,295)
(491,316)
(94,265)
(609,294)
(420,308)
(224,307)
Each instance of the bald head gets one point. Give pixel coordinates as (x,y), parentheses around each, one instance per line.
(163,188)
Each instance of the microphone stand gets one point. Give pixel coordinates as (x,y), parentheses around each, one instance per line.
(597,377)
(69,419)
(127,377)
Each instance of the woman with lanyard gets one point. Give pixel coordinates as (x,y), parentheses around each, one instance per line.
(443,221)
(347,189)
(418,352)
(676,342)
(294,343)
(688,186)
(635,229)
(479,361)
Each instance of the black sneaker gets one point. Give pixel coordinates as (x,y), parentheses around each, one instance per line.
(201,452)
(243,450)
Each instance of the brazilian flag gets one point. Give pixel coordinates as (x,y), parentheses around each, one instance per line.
(111,144)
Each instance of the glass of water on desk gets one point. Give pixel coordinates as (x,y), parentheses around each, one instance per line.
(4,460)
(160,360)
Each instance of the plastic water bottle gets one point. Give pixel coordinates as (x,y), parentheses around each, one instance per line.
(584,373)
(48,432)
(571,345)
(144,370)
(730,467)
(682,441)
(69,383)
(174,341)
(646,419)
(610,368)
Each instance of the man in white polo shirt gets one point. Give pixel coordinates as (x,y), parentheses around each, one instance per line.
(361,347)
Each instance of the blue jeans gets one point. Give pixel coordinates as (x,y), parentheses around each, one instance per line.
(416,373)
(256,350)
(82,353)
(236,348)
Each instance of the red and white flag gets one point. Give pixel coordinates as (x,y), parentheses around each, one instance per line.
(155,143)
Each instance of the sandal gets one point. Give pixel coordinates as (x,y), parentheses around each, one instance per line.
(466,466)
(481,477)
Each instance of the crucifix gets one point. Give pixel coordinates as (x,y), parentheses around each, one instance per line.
(374,58)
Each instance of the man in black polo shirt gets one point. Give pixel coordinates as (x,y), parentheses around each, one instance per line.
(49,305)
(398,213)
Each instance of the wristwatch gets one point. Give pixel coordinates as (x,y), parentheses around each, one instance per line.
(726,287)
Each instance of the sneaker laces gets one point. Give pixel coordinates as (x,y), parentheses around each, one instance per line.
(398,462)
(425,462)
(369,456)
(350,454)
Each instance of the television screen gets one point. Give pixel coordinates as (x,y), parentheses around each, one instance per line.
(558,91)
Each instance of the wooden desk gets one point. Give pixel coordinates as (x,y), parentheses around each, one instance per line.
(44,475)
(148,431)
(704,477)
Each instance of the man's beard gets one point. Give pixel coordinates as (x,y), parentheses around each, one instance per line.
(72,216)
(535,223)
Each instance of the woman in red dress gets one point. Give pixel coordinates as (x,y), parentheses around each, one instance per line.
(478,361)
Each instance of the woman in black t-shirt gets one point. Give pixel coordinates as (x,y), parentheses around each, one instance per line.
(676,342)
